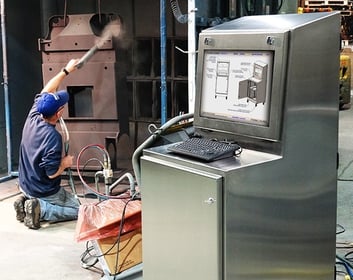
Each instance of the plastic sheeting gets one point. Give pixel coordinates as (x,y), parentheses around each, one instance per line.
(100,220)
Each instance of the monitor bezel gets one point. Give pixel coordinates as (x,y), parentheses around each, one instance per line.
(246,41)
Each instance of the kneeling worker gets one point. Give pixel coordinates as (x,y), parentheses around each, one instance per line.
(41,160)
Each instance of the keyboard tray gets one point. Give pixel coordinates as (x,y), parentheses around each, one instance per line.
(204,149)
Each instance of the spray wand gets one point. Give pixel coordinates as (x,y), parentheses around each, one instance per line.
(112,30)
(87,56)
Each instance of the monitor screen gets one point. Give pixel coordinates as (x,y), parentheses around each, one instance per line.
(236,85)
(240,84)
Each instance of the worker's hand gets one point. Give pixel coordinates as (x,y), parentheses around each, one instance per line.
(67,161)
(71,65)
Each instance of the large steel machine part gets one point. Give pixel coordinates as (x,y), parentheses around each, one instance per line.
(91,114)
(92,89)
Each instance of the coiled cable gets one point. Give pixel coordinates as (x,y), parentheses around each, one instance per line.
(182,18)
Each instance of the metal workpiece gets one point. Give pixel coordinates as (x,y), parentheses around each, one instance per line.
(93,103)
(74,33)
(268,213)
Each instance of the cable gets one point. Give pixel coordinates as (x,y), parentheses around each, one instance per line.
(85,194)
(89,260)
(346,265)
(65,12)
(122,221)
(279,7)
(346,259)
(340,229)
(250,10)
(90,248)
(343,170)
(177,13)
(151,140)
(66,137)
(107,166)
(348,256)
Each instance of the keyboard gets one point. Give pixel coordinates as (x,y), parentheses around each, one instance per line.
(204,149)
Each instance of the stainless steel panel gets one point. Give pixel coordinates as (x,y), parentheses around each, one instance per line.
(182,211)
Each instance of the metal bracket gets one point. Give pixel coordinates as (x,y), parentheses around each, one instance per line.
(186,52)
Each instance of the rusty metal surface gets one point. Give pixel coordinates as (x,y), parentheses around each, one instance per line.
(73,35)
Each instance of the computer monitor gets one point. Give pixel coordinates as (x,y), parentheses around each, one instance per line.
(241,75)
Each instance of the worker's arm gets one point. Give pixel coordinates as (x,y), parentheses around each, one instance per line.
(54,82)
(66,162)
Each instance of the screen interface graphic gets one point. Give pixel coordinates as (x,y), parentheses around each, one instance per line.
(236,86)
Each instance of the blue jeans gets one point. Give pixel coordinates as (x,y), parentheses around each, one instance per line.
(61,206)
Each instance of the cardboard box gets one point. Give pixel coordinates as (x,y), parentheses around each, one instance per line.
(130,252)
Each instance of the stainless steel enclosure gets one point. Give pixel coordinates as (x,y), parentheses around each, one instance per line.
(262,215)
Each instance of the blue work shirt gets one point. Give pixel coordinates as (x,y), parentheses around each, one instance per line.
(40,156)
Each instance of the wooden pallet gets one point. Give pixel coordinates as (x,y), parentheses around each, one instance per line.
(344,6)
(326,2)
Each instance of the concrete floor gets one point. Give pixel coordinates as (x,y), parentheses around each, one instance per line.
(345,186)
(48,253)
(52,253)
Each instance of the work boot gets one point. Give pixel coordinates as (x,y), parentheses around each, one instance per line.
(19,206)
(32,209)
